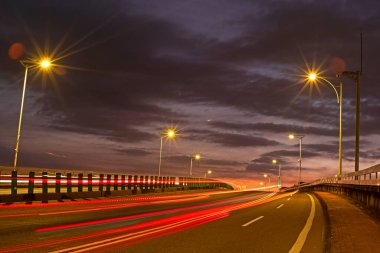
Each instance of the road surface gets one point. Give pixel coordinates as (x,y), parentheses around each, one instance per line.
(189,222)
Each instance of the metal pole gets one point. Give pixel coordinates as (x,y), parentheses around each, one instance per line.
(279,175)
(191,166)
(357,125)
(340,127)
(356,77)
(20,119)
(300,160)
(159,162)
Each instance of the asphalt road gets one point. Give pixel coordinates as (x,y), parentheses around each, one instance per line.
(190,222)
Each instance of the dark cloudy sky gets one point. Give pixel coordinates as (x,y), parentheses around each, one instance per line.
(223,72)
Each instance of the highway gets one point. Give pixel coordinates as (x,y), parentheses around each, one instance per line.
(187,222)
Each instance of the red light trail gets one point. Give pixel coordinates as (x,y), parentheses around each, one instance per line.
(145,230)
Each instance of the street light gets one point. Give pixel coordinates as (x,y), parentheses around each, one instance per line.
(274,161)
(43,64)
(315,78)
(300,137)
(196,157)
(267,176)
(170,133)
(208,172)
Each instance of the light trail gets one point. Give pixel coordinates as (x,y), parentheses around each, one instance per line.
(216,213)
(124,218)
(103,201)
(156,232)
(198,216)
(119,206)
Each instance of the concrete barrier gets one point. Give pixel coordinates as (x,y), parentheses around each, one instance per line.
(367,195)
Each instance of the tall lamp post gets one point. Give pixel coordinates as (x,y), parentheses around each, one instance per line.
(43,64)
(313,77)
(274,161)
(195,157)
(169,134)
(300,137)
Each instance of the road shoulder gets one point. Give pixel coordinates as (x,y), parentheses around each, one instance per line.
(352,229)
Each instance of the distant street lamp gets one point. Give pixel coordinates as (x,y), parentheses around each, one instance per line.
(208,172)
(169,134)
(313,77)
(267,176)
(300,137)
(195,157)
(43,64)
(274,161)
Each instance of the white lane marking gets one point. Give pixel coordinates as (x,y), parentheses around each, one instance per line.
(288,199)
(252,221)
(280,206)
(303,235)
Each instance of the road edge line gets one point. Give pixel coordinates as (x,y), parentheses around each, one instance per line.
(297,246)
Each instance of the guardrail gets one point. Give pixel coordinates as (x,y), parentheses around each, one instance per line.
(369,176)
(14,183)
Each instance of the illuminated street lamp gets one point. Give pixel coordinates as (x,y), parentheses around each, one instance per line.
(300,137)
(208,172)
(195,157)
(267,176)
(43,64)
(169,134)
(274,161)
(313,77)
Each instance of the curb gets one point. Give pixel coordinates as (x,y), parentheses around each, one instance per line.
(327,230)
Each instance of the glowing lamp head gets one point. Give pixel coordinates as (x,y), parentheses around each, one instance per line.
(274,161)
(261,183)
(291,136)
(265,175)
(170,133)
(209,172)
(197,156)
(312,76)
(45,63)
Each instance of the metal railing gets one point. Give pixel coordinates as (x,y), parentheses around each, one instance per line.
(13,182)
(369,176)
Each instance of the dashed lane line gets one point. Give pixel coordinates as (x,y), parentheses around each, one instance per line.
(252,221)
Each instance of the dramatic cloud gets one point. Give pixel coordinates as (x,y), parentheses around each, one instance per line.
(225,73)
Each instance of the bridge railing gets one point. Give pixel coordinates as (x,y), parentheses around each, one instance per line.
(369,176)
(14,182)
